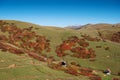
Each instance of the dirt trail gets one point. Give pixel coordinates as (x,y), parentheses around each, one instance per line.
(18,66)
(113,42)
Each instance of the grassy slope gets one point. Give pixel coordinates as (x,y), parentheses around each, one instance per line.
(57,35)
(105,29)
(25,70)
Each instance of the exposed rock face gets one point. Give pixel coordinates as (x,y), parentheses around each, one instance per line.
(12,66)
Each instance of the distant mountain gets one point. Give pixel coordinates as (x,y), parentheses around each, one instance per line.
(102,25)
(74,27)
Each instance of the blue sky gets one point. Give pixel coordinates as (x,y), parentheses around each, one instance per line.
(61,13)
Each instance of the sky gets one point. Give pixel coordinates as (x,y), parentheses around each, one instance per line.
(61,13)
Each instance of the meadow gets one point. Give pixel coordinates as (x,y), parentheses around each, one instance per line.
(40,71)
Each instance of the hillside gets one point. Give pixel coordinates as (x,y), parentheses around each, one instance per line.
(17,67)
(105,31)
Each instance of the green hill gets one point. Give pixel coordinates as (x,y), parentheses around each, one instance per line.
(106,30)
(25,69)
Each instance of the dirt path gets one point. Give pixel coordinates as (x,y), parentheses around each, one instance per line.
(113,42)
(19,66)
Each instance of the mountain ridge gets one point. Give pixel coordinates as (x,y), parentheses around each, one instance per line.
(94,25)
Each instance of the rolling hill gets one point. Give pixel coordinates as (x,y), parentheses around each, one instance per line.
(22,67)
(106,30)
